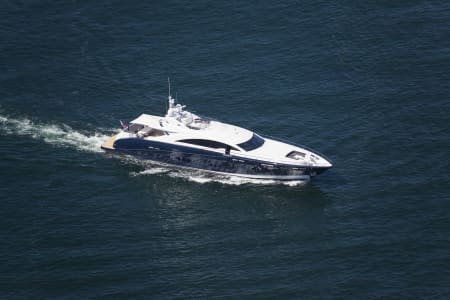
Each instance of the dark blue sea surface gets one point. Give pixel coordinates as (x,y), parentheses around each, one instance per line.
(367,83)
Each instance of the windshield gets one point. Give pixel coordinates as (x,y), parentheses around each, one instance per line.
(255,142)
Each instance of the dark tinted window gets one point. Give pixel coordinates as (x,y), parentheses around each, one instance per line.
(255,142)
(207,143)
(296,155)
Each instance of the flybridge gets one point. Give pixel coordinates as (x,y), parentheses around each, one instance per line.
(178,120)
(175,118)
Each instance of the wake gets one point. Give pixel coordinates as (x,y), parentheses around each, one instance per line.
(203,177)
(63,135)
(59,135)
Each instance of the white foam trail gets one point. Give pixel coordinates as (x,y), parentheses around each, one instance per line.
(203,177)
(152,171)
(60,135)
(236,180)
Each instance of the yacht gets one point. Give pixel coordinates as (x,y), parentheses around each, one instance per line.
(184,139)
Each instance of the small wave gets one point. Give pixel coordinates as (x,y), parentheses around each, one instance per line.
(59,135)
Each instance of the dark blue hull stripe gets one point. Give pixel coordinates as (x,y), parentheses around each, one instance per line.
(208,160)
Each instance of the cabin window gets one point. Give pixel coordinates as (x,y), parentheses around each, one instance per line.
(255,142)
(208,143)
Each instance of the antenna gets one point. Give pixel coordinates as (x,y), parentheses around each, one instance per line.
(171,100)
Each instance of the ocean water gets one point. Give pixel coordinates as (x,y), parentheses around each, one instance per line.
(367,84)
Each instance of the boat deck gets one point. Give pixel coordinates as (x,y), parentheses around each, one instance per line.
(109,143)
